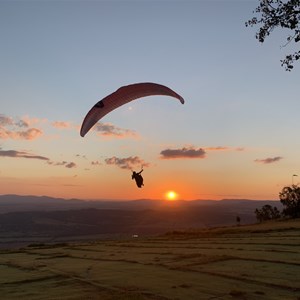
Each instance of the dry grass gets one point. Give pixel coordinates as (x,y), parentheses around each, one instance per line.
(260,262)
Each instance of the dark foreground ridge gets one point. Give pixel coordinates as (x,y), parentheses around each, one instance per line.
(250,262)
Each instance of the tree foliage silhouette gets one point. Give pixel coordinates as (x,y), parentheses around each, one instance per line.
(279,13)
(267,212)
(290,198)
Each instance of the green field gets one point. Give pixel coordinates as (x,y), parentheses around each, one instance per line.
(246,262)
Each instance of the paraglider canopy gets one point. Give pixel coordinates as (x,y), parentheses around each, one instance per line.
(122,96)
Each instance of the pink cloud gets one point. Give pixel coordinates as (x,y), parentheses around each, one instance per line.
(110,130)
(10,129)
(32,121)
(6,121)
(219,148)
(61,125)
(29,134)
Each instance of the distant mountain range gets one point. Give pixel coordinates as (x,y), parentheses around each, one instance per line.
(35,216)
(17,203)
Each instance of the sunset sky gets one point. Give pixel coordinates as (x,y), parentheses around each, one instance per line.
(236,136)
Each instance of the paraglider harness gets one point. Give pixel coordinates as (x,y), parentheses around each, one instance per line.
(138,178)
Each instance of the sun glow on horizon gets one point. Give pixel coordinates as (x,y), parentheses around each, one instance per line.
(171,195)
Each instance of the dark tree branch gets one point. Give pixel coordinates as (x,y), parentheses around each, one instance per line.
(278,13)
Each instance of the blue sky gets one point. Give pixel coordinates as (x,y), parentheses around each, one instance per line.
(58,58)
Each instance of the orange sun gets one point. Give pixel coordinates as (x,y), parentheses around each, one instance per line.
(171,195)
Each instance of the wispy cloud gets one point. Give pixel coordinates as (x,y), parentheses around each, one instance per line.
(21,154)
(28,155)
(194,152)
(219,148)
(22,124)
(5,120)
(10,134)
(10,129)
(269,160)
(66,164)
(224,148)
(70,165)
(127,163)
(61,124)
(81,156)
(184,152)
(33,121)
(96,163)
(110,130)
